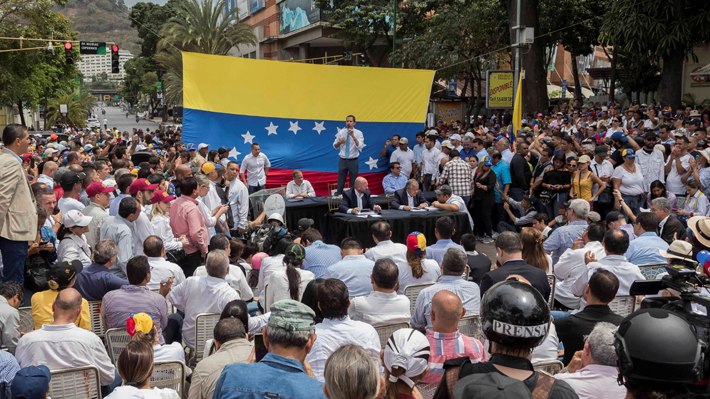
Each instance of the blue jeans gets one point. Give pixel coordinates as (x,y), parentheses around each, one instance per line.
(634,202)
(253,189)
(14,254)
(516,193)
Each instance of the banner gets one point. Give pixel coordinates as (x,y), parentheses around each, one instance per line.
(242,8)
(448,112)
(256,5)
(295,111)
(296,14)
(499,93)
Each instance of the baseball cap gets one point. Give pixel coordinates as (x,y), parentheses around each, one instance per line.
(456,137)
(531,199)
(650,135)
(613,216)
(75,218)
(594,216)
(296,251)
(416,242)
(403,140)
(276,216)
(191,147)
(140,185)
(50,151)
(142,322)
(63,272)
(584,159)
(161,196)
(202,145)
(292,316)
(97,188)
(305,223)
(70,177)
(447,144)
(53,136)
(486,161)
(31,382)
(209,167)
(628,153)
(619,136)
(222,150)
(256,260)
(695,122)
(444,190)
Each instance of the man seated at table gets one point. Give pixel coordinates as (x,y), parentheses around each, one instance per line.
(446,200)
(395,180)
(299,188)
(357,199)
(409,197)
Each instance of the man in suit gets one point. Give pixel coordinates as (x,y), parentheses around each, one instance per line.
(18,212)
(409,197)
(670,228)
(510,261)
(357,199)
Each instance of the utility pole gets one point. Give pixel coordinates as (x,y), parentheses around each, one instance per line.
(394,30)
(518,33)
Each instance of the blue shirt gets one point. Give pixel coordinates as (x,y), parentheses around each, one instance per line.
(48,234)
(644,249)
(438,250)
(561,239)
(502,171)
(273,377)
(418,148)
(319,256)
(465,154)
(95,281)
(481,154)
(392,184)
(467,291)
(8,368)
(113,209)
(355,272)
(390,150)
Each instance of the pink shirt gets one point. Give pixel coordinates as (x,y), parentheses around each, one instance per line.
(186,219)
(447,346)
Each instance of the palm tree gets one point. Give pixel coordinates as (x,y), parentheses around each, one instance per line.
(76,110)
(197,27)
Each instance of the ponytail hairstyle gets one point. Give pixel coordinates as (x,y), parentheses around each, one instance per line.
(415,262)
(135,363)
(293,258)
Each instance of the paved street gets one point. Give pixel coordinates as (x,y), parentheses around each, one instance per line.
(117,118)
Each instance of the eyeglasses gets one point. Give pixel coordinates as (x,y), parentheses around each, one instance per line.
(573,165)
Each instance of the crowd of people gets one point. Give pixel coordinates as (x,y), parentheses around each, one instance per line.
(160,231)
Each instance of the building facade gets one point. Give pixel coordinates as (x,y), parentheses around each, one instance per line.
(94,65)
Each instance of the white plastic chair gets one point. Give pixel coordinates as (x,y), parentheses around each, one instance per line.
(169,375)
(412,292)
(623,305)
(550,367)
(97,326)
(553,284)
(470,326)
(116,340)
(204,330)
(75,383)
(385,331)
(27,322)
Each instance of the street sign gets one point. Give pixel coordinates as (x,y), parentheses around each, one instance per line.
(63,109)
(564,88)
(98,48)
(499,93)
(453,84)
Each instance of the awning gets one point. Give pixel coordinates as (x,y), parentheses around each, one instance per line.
(704,71)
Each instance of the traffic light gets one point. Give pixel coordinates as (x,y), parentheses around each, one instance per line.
(114,59)
(68,54)
(362,59)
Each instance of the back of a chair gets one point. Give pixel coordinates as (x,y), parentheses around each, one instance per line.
(623,305)
(412,292)
(466,272)
(552,280)
(116,339)
(75,383)
(470,326)
(27,322)
(385,331)
(267,304)
(204,330)
(427,390)
(333,203)
(97,326)
(169,375)
(550,367)
(651,270)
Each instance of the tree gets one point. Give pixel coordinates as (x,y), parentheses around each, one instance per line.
(148,19)
(666,28)
(76,110)
(135,68)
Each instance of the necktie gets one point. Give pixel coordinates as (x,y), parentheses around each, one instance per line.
(347,145)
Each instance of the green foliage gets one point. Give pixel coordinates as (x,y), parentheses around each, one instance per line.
(132,83)
(77,109)
(102,20)
(691,100)
(148,19)
(639,74)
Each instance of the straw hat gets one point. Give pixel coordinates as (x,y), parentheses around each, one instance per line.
(678,249)
(700,225)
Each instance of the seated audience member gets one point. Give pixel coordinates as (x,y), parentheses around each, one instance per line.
(571,265)
(140,327)
(208,294)
(235,277)
(524,208)
(452,268)
(31,382)
(601,289)
(510,261)
(444,230)
(540,222)
(118,305)
(310,298)
(119,228)
(416,269)
(385,248)
(644,249)
(670,228)
(62,345)
(135,366)
(289,283)
(478,263)
(319,255)
(289,336)
(160,268)
(298,187)
(354,270)
(96,280)
(382,305)
(11,296)
(616,243)
(395,180)
(446,200)
(357,199)
(233,346)
(270,265)
(409,197)
(60,277)
(562,238)
(617,220)
(406,359)
(337,329)
(445,340)
(592,373)
(352,372)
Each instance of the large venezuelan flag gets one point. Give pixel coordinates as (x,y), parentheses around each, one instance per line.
(294,110)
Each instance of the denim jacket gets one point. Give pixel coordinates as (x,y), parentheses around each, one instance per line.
(274,377)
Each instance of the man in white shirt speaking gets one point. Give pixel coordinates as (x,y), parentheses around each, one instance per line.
(349,142)
(256,165)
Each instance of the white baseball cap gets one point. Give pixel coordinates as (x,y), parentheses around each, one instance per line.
(202,145)
(75,218)
(276,216)
(109,182)
(456,137)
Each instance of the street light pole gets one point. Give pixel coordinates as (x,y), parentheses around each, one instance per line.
(394,31)
(518,30)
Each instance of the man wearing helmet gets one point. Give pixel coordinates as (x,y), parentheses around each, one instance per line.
(514,319)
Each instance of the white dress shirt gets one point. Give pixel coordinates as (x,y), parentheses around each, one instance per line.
(254,168)
(162,229)
(601,170)
(278,285)
(458,201)
(570,267)
(210,221)
(387,249)
(67,204)
(625,271)
(142,229)
(268,266)
(379,308)
(432,272)
(651,167)
(674,182)
(405,159)
(200,295)
(429,157)
(354,149)
(235,278)
(595,381)
(292,189)
(73,247)
(65,346)
(46,180)
(333,333)
(161,269)
(238,197)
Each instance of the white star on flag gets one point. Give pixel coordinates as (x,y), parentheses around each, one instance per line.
(234,153)
(294,127)
(319,127)
(248,138)
(271,128)
(372,163)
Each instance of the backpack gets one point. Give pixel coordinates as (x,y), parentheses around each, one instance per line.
(266,236)
(494,385)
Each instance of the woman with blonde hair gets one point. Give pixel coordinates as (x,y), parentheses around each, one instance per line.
(533,251)
(417,269)
(351,372)
(135,366)
(406,359)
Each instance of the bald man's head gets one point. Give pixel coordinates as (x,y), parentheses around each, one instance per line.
(76,168)
(446,311)
(49,168)
(361,184)
(183,171)
(67,306)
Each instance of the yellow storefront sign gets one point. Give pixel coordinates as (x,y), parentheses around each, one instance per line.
(499,94)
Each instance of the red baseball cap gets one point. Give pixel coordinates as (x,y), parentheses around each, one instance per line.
(97,188)
(140,185)
(161,196)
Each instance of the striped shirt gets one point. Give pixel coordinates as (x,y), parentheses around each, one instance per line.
(447,346)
